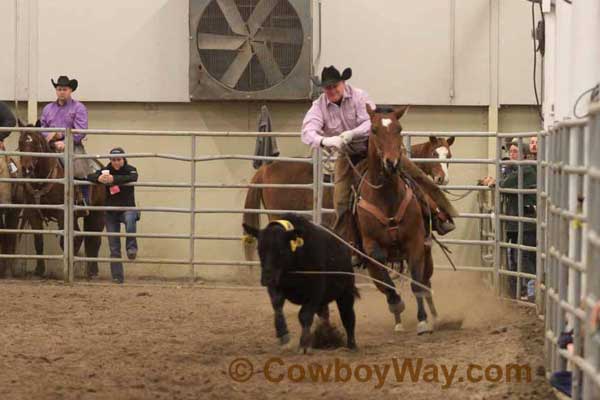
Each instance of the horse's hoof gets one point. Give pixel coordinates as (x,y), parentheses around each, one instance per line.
(304,350)
(285,339)
(423,327)
(399,327)
(433,324)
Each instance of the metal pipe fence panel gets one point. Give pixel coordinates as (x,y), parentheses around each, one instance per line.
(568,272)
(317,186)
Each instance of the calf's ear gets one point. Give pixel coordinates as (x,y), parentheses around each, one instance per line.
(450,140)
(250,230)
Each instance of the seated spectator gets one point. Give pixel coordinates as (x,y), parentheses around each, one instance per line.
(117,173)
(510,180)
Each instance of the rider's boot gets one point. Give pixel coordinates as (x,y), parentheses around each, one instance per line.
(345,227)
(443,223)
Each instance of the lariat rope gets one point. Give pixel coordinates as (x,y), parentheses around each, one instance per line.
(371,259)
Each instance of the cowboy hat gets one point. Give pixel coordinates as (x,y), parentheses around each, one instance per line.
(65,81)
(330,76)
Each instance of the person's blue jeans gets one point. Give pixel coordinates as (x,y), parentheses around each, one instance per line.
(114,219)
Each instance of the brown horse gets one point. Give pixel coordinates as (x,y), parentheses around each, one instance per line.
(9,217)
(52,193)
(435,147)
(390,218)
(302,173)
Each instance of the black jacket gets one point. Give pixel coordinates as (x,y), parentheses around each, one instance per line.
(126,196)
(7,119)
(511,200)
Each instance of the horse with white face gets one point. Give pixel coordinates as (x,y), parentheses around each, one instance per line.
(435,147)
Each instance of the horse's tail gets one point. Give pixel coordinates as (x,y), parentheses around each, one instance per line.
(253,201)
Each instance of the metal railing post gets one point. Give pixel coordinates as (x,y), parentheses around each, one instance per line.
(68,270)
(520,228)
(192,209)
(317,185)
(497,222)
(540,216)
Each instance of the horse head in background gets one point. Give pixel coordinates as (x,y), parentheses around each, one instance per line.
(435,147)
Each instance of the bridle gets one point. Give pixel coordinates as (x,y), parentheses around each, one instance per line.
(46,187)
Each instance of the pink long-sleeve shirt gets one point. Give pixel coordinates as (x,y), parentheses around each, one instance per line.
(326,119)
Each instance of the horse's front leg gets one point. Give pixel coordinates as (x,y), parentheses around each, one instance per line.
(94,222)
(38,240)
(416,262)
(77,240)
(277,301)
(427,280)
(384,283)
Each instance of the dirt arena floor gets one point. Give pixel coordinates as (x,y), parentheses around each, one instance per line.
(169,341)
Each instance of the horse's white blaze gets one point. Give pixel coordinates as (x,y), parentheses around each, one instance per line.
(386,122)
(442,155)
(29,139)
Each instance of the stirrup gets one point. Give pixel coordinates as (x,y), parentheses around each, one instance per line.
(445,227)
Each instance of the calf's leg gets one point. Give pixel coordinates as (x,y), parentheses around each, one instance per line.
(306,316)
(324,314)
(346,307)
(277,301)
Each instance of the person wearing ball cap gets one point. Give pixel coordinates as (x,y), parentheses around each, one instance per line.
(114,176)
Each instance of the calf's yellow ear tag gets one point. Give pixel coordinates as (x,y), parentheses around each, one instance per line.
(289,227)
(294,244)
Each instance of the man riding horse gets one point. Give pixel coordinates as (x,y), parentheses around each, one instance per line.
(338,120)
(66,112)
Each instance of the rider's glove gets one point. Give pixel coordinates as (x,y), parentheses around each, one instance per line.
(334,141)
(347,136)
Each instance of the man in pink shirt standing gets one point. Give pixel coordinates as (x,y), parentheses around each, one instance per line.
(338,120)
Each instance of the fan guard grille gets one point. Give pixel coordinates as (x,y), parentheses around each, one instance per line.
(249,45)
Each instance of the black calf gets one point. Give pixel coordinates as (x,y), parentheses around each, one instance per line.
(293,245)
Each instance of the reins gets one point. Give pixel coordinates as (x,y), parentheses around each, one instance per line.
(457,197)
(362,177)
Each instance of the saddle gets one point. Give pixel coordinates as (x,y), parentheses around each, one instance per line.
(391,223)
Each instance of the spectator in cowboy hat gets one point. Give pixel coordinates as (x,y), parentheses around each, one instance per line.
(116,174)
(67,112)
